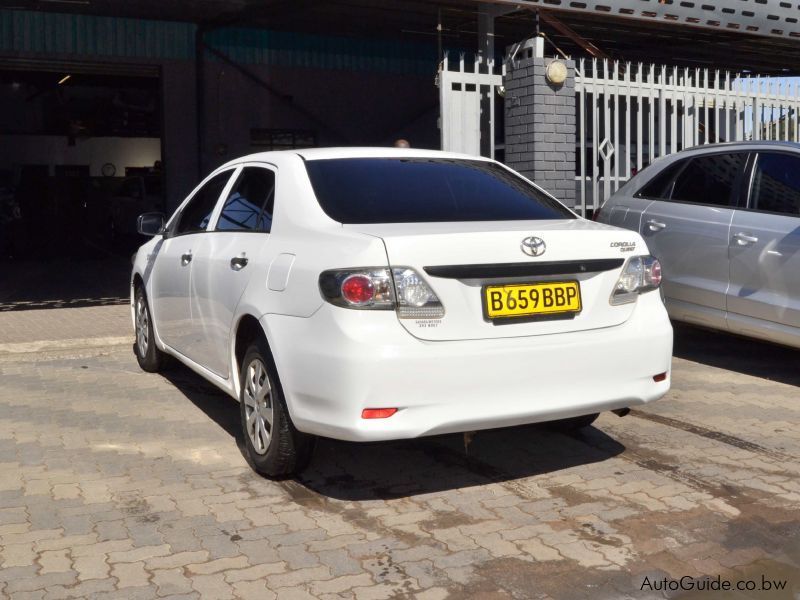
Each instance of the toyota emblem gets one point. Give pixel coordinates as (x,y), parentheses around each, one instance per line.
(533,246)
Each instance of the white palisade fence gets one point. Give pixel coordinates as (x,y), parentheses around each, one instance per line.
(463,88)
(629,115)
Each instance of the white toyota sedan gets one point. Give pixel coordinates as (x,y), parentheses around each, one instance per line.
(373,294)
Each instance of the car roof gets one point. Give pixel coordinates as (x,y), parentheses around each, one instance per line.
(744,145)
(356,152)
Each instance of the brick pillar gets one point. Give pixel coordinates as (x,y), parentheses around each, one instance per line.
(540,126)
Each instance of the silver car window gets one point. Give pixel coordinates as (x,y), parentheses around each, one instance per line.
(660,186)
(776,184)
(709,179)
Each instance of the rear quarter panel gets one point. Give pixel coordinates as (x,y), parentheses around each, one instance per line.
(300,228)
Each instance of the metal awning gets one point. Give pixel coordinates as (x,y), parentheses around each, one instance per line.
(761,36)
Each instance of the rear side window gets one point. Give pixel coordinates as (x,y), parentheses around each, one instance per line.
(709,179)
(422,190)
(776,184)
(197,213)
(660,186)
(250,203)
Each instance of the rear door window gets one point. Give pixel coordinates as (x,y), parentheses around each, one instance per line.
(424,190)
(776,184)
(660,186)
(709,180)
(250,203)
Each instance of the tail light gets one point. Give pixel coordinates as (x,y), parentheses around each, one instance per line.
(640,274)
(401,289)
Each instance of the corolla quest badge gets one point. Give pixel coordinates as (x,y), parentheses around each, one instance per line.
(533,246)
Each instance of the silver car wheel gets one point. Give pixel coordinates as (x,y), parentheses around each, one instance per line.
(258,406)
(142,327)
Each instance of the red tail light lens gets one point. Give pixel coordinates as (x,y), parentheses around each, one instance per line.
(655,273)
(660,377)
(358,290)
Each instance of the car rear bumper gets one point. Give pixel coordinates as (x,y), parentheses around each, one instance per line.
(338,362)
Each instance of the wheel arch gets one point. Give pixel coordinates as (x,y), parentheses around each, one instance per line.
(249,328)
(136,282)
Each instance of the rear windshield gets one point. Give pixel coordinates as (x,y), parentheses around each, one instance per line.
(424,190)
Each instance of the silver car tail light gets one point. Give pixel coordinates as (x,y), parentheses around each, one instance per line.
(401,289)
(640,274)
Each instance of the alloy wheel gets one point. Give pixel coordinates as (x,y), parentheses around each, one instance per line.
(142,327)
(258,406)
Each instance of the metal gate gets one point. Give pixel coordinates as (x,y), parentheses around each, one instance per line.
(630,115)
(627,115)
(467,105)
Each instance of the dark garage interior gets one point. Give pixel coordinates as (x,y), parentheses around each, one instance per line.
(81,154)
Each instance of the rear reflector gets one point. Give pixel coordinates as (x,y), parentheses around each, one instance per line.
(377,413)
(659,377)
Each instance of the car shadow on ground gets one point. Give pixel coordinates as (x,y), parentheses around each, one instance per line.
(398,469)
(216,404)
(383,470)
(735,353)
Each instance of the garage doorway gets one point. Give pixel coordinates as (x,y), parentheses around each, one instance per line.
(80,160)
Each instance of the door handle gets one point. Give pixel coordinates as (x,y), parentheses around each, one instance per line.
(745,239)
(238,263)
(186,258)
(656,225)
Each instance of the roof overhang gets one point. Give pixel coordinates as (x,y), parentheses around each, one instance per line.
(757,37)
(771,18)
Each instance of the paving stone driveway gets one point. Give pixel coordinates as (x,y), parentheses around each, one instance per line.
(119,484)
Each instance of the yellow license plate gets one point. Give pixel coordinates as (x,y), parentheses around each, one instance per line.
(531,299)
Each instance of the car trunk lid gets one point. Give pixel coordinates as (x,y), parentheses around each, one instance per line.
(458,260)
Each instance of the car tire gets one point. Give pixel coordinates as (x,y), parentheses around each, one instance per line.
(149,357)
(573,423)
(273,446)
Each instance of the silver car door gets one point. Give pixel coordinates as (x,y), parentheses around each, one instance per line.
(765,245)
(172,273)
(626,207)
(689,234)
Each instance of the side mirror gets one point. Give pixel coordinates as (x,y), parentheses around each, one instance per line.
(151,223)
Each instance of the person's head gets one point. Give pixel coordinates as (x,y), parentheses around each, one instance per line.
(401,143)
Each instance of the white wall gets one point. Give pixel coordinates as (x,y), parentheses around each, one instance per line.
(95,152)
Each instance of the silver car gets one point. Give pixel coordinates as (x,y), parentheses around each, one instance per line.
(724,220)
